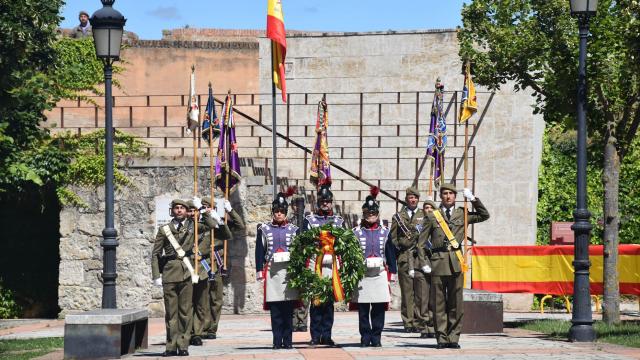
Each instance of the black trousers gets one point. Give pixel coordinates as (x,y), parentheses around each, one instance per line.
(371,322)
(321,320)
(281,322)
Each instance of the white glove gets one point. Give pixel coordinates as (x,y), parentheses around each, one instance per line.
(158,282)
(259,276)
(468,194)
(215,216)
(197,202)
(393,278)
(227,205)
(412,273)
(426,269)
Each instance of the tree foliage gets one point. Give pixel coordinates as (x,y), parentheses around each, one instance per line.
(37,70)
(533,45)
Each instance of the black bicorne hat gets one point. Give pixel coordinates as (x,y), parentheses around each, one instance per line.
(370,203)
(325,194)
(280,203)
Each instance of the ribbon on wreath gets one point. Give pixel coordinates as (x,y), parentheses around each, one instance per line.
(327,241)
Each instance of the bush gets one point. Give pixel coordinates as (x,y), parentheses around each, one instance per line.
(9,309)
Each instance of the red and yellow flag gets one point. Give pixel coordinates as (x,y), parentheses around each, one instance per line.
(276,32)
(548,269)
(469,102)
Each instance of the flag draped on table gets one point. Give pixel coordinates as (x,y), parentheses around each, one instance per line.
(320,164)
(211,120)
(193,109)
(469,103)
(227,162)
(276,32)
(437,138)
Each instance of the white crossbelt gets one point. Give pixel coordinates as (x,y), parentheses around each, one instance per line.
(180,252)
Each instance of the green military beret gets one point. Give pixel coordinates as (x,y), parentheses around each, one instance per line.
(451,187)
(206,201)
(175,202)
(191,205)
(433,204)
(412,190)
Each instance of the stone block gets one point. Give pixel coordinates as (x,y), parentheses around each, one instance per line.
(105,333)
(482,312)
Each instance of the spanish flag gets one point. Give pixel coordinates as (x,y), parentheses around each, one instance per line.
(276,32)
(469,102)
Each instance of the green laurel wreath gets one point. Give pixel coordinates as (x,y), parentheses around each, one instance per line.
(318,289)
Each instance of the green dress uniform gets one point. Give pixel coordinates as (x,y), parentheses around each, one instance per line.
(177,284)
(301,312)
(447,277)
(406,244)
(201,308)
(216,286)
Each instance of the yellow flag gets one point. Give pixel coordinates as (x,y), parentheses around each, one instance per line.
(469,102)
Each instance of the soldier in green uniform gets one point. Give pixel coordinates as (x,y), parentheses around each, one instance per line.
(301,312)
(440,242)
(201,312)
(404,236)
(235,224)
(171,258)
(422,286)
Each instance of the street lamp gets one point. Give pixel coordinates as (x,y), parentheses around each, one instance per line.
(107,24)
(582,322)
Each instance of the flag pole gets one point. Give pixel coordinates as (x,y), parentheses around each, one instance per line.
(212,174)
(195,189)
(466,178)
(226,166)
(274,125)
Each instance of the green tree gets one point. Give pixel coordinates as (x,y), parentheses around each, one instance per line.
(533,44)
(37,70)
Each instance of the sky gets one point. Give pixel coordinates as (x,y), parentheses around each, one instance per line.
(148,18)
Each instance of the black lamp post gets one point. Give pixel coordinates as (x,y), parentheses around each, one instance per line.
(107,25)
(582,322)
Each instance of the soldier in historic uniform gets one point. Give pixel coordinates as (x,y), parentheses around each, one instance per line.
(176,240)
(444,229)
(373,294)
(201,310)
(216,285)
(296,217)
(422,285)
(322,315)
(272,259)
(405,227)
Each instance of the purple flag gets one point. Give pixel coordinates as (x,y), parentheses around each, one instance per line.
(320,173)
(227,162)
(437,138)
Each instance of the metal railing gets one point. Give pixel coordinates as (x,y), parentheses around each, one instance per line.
(366,131)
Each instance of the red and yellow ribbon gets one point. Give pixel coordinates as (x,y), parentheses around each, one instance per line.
(327,241)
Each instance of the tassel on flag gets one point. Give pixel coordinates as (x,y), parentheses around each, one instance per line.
(320,173)
(211,120)
(228,161)
(277,34)
(469,103)
(193,109)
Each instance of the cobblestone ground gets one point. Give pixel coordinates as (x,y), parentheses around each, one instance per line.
(249,337)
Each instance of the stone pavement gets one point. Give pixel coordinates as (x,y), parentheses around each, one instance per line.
(249,337)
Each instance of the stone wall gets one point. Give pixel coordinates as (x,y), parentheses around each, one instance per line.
(507,144)
(80,286)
